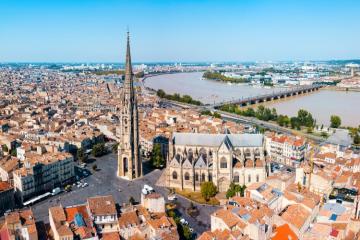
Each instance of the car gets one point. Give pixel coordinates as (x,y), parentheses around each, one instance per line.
(85,185)
(172,197)
(144,191)
(191,230)
(83,165)
(148,188)
(55,191)
(183,221)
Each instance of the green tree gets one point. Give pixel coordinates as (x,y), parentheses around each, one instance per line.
(356,139)
(187,234)
(305,118)
(217,115)
(157,158)
(208,190)
(160,93)
(335,121)
(4,148)
(99,150)
(13,152)
(81,155)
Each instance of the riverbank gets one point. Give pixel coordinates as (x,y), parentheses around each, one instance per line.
(322,104)
(342,89)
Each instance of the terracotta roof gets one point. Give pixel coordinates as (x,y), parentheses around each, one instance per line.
(102,205)
(284,232)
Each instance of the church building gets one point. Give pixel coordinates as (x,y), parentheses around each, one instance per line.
(220,158)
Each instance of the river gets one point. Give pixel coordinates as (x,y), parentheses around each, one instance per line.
(322,104)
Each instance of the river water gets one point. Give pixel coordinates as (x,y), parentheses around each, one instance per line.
(322,104)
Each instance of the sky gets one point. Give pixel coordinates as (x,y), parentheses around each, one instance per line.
(179,30)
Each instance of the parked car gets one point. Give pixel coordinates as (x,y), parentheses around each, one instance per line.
(172,197)
(148,188)
(183,221)
(55,191)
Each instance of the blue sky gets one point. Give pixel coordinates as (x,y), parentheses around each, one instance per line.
(179,30)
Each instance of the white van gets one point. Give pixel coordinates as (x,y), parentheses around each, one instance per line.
(55,191)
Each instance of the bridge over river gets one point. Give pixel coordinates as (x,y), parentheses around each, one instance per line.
(243,102)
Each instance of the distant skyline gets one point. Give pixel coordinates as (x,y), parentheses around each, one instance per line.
(178,30)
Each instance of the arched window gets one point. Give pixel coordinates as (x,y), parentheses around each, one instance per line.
(125,165)
(257,177)
(236,177)
(196,177)
(187,176)
(249,178)
(223,163)
(210,177)
(203,177)
(174,175)
(247,153)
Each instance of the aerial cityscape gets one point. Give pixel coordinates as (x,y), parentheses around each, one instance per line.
(195,120)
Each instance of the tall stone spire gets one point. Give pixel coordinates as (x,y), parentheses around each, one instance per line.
(128,66)
(129,162)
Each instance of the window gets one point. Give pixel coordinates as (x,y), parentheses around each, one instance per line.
(223,163)
(210,177)
(174,175)
(236,177)
(257,178)
(203,177)
(196,177)
(187,176)
(249,178)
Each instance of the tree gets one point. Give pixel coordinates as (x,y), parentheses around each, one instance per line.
(160,93)
(157,158)
(208,190)
(81,155)
(234,189)
(13,152)
(99,150)
(356,139)
(305,118)
(217,115)
(4,148)
(335,121)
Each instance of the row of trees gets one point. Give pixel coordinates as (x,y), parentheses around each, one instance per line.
(220,77)
(177,97)
(235,189)
(303,118)
(209,113)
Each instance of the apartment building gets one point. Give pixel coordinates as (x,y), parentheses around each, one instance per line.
(41,172)
(284,149)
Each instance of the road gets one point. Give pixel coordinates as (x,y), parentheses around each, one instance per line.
(105,182)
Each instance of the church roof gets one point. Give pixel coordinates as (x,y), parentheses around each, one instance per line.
(200,163)
(215,140)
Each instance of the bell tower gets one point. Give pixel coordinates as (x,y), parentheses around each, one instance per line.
(129,162)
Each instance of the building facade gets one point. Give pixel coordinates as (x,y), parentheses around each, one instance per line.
(129,162)
(220,158)
(41,173)
(288,150)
